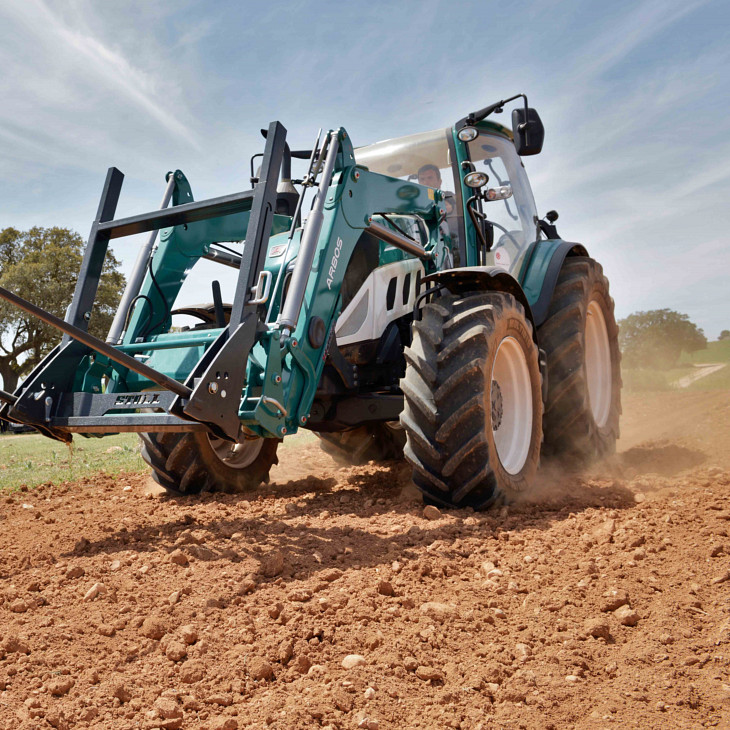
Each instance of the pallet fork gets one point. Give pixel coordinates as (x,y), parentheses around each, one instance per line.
(46,399)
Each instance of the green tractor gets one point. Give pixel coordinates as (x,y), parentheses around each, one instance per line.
(420,309)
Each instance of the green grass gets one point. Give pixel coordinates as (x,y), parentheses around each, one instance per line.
(637,380)
(32,459)
(718,351)
(715,381)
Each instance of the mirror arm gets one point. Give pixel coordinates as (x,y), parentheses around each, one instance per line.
(477,116)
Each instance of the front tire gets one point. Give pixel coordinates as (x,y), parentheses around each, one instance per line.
(191,463)
(580,339)
(473,404)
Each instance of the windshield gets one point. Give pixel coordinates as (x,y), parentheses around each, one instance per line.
(424,158)
(509,204)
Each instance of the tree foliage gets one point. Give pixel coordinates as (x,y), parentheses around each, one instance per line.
(42,265)
(724,335)
(657,338)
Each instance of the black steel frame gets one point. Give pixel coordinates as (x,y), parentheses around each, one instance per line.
(45,399)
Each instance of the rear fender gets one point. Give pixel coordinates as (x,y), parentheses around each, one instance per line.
(540,276)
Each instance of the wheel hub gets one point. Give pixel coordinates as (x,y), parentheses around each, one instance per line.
(511,405)
(238,455)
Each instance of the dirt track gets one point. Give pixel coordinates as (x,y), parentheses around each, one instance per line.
(606,604)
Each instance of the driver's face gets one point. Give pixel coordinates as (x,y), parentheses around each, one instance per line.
(429,178)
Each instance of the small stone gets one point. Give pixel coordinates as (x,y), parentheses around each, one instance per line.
(639,498)
(639,554)
(614,599)
(114,566)
(285,651)
(666,639)
(260,669)
(18,606)
(385,588)
(499,613)
(60,686)
(300,595)
(192,672)
(598,628)
(176,651)
(75,571)
(174,598)
(627,616)
(429,673)
(189,634)
(153,627)
(572,678)
(302,664)
(222,700)
(15,644)
(167,708)
(178,557)
(410,663)
(438,611)
(431,512)
(127,488)
(353,660)
(331,575)
(273,564)
(98,589)
(721,578)
(106,630)
(603,534)
(122,693)
(369,693)
(223,723)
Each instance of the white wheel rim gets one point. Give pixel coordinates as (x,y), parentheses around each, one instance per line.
(598,364)
(511,405)
(239,455)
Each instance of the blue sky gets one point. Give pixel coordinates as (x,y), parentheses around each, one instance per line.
(634,97)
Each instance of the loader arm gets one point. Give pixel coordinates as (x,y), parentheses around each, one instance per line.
(260,372)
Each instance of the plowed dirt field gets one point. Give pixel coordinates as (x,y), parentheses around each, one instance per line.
(330,598)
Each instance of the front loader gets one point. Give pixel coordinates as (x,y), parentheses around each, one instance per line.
(420,308)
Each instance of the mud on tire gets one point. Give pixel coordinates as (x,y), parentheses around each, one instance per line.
(473,430)
(190,463)
(375,442)
(580,340)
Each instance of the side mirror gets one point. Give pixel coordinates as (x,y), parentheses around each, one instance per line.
(528,131)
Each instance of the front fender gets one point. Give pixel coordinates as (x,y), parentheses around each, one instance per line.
(540,275)
(483,278)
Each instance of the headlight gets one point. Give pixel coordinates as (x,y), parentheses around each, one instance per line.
(468,134)
(476,179)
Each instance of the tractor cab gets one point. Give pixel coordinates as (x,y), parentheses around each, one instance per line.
(492,225)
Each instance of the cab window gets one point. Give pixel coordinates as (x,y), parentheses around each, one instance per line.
(511,209)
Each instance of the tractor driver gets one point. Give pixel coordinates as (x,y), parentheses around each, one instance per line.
(430,176)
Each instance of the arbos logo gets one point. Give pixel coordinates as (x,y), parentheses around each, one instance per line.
(334,262)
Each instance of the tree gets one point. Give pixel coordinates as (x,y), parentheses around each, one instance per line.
(42,265)
(724,335)
(657,338)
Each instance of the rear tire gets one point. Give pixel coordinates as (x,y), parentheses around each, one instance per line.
(473,404)
(376,442)
(191,463)
(580,339)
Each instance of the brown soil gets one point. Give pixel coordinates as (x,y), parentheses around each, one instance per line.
(603,604)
